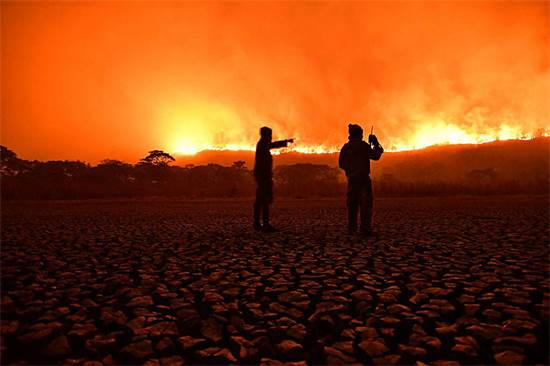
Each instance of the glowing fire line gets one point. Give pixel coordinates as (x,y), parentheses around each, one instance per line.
(452,136)
(197,125)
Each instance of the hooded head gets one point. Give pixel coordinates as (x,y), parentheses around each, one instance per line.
(355,131)
(266,133)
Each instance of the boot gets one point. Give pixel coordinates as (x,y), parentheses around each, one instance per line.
(266,227)
(366,231)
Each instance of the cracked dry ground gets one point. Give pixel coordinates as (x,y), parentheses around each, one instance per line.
(447,281)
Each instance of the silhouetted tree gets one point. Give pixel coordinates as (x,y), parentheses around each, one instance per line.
(10,164)
(239,165)
(154,169)
(242,181)
(158,158)
(113,171)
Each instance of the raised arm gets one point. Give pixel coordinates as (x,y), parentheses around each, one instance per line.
(279,144)
(376,151)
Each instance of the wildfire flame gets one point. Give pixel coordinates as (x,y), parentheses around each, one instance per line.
(426,136)
(198,126)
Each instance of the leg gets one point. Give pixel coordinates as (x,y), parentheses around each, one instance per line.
(353,205)
(265,213)
(257,208)
(366,207)
(352,218)
(266,227)
(268,199)
(264,197)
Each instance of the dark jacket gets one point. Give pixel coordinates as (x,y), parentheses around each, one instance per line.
(355,157)
(263,164)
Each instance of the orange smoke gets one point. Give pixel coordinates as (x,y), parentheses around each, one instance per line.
(94,80)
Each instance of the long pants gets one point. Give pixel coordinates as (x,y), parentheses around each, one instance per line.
(360,198)
(264,197)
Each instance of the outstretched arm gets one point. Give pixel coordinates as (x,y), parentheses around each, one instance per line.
(279,144)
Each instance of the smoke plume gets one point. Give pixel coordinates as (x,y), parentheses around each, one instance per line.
(114,79)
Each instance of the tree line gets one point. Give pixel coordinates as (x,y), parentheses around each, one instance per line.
(155,176)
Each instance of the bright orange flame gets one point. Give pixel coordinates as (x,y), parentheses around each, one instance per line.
(195,126)
(440,134)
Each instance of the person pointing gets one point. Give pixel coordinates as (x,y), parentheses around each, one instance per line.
(263,174)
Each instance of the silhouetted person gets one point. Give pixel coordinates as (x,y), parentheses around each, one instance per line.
(263,173)
(355,159)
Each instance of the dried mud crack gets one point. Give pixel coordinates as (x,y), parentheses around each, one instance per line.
(446,281)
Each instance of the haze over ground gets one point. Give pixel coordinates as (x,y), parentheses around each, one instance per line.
(93,80)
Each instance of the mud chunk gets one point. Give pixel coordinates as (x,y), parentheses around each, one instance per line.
(188,342)
(216,354)
(290,348)
(141,301)
(374,348)
(57,347)
(211,329)
(139,350)
(509,358)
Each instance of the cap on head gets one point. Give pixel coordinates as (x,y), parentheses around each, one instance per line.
(265,131)
(355,130)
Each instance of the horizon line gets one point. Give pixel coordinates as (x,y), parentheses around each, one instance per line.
(287,151)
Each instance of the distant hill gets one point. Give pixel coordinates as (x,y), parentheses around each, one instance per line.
(227,157)
(500,160)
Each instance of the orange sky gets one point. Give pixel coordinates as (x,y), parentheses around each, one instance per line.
(115,79)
